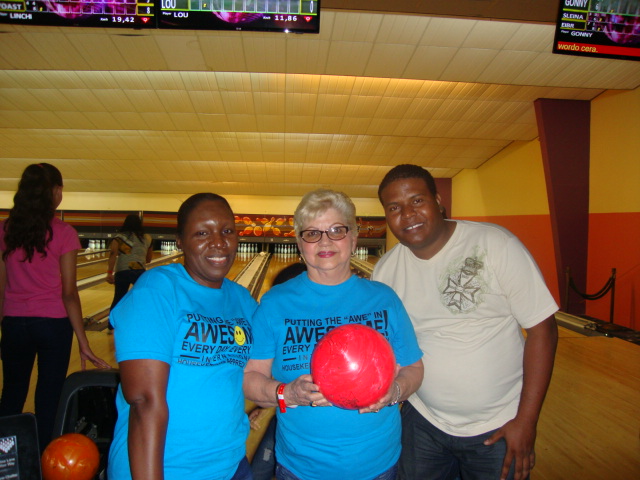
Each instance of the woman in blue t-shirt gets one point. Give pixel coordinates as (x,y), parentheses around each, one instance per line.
(182,339)
(329,442)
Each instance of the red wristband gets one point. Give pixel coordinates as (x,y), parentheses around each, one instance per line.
(280,395)
(109,272)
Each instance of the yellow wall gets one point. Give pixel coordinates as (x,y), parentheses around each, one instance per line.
(615,152)
(510,183)
(170,203)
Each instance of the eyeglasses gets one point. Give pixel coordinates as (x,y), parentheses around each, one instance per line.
(334,233)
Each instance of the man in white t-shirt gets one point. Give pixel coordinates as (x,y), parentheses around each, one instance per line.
(469,288)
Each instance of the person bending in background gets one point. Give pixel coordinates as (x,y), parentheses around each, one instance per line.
(328,442)
(130,251)
(39,302)
(263,465)
(469,289)
(183,338)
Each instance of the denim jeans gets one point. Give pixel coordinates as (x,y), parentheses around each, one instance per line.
(283,473)
(430,454)
(243,472)
(263,464)
(22,339)
(122,281)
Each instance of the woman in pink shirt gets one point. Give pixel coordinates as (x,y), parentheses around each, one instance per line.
(39,301)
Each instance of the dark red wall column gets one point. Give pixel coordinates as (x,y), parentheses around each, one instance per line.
(563,128)
(443,186)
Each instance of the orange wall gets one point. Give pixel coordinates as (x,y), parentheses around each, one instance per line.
(614,242)
(534,231)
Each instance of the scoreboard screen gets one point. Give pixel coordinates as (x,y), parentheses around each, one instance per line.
(83,13)
(294,16)
(599,28)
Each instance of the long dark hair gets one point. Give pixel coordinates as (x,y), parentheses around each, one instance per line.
(132,225)
(29,223)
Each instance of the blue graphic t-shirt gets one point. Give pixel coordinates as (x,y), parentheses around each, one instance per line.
(331,442)
(204,335)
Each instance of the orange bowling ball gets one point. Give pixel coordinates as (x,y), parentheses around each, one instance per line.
(72,456)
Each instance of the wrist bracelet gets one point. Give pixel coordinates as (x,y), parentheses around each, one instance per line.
(397,400)
(109,272)
(280,396)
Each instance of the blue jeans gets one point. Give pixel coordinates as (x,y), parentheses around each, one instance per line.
(430,454)
(243,472)
(22,339)
(263,464)
(122,280)
(284,474)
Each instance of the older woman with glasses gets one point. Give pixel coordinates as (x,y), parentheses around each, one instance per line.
(328,442)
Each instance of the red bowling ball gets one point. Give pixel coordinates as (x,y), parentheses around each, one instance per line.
(353,365)
(72,456)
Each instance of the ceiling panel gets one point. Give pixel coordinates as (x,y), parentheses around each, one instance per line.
(271,114)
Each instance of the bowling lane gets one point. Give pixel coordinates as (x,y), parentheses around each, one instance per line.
(278,262)
(589,425)
(90,257)
(99,297)
(95,264)
(372,259)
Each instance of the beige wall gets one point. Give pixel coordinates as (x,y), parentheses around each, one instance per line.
(170,203)
(510,183)
(513,183)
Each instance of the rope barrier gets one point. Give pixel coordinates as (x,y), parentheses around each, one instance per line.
(609,286)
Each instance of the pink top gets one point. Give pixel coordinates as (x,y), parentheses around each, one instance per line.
(34,289)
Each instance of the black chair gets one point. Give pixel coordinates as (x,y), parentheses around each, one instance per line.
(87,405)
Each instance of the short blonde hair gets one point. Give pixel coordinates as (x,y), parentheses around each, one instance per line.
(317,202)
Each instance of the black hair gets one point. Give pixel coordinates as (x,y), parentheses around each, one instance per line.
(289,272)
(192,202)
(29,223)
(407,171)
(132,225)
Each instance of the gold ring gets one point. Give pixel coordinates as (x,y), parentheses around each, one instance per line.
(312,403)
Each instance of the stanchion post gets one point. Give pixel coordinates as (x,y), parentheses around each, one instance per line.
(567,281)
(613,294)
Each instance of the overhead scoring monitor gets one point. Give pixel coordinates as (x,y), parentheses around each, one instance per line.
(295,16)
(599,28)
(84,13)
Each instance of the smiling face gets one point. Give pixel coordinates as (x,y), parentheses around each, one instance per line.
(328,261)
(239,335)
(414,217)
(209,242)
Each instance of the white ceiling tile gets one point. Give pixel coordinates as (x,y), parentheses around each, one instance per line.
(490,35)
(429,61)
(468,64)
(388,60)
(447,32)
(181,52)
(348,58)
(185,111)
